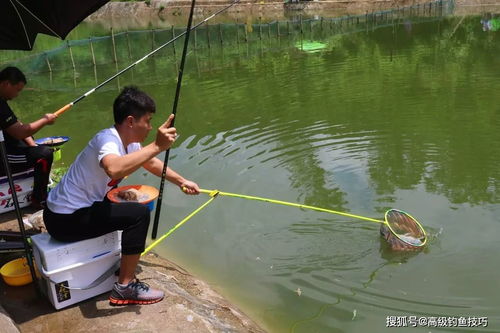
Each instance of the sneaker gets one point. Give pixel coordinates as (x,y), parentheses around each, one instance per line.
(135,292)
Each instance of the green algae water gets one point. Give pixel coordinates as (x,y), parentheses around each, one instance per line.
(403,116)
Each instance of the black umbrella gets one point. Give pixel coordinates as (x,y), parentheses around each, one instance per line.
(22,20)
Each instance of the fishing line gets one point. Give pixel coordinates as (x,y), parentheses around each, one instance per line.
(68,106)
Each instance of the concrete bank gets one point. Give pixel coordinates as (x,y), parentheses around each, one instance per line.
(6,323)
(165,13)
(190,305)
(476,7)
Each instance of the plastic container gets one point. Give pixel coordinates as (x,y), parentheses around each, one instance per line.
(150,194)
(68,268)
(57,154)
(23,182)
(52,141)
(151,205)
(55,142)
(63,286)
(17,272)
(51,254)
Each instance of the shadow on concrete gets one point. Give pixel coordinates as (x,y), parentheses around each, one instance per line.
(23,302)
(24,305)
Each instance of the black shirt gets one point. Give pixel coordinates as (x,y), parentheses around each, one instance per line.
(8,118)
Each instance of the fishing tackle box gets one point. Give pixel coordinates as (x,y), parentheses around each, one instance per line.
(23,183)
(73,272)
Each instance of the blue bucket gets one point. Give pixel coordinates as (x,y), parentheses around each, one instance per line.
(151,205)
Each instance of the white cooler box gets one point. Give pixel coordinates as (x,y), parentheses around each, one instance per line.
(74,272)
(23,182)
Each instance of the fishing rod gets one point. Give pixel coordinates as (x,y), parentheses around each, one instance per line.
(70,105)
(174,112)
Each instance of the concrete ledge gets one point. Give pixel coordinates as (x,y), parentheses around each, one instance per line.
(190,306)
(6,323)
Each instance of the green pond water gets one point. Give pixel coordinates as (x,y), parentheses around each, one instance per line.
(404,116)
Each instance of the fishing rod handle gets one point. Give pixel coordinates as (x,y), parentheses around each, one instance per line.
(63,109)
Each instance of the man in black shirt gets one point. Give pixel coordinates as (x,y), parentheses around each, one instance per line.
(22,151)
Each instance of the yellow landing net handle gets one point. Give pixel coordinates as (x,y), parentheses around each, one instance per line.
(214,193)
(159,240)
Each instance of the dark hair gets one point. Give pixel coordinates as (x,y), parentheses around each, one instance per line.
(13,75)
(132,102)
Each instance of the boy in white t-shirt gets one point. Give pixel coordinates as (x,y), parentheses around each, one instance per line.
(77,208)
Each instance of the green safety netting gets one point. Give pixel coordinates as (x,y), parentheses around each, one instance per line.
(120,49)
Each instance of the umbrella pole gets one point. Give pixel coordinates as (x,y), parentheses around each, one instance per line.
(27,250)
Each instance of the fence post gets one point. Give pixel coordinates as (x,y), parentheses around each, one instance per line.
(366,22)
(152,39)
(172,29)
(74,77)
(95,73)
(238,34)
(128,46)
(208,34)
(71,55)
(220,35)
(48,62)
(195,39)
(260,28)
(92,51)
(114,45)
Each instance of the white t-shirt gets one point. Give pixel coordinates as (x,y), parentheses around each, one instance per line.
(86,181)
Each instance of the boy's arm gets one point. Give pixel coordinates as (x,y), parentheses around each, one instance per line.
(155,166)
(117,167)
(30,142)
(21,131)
